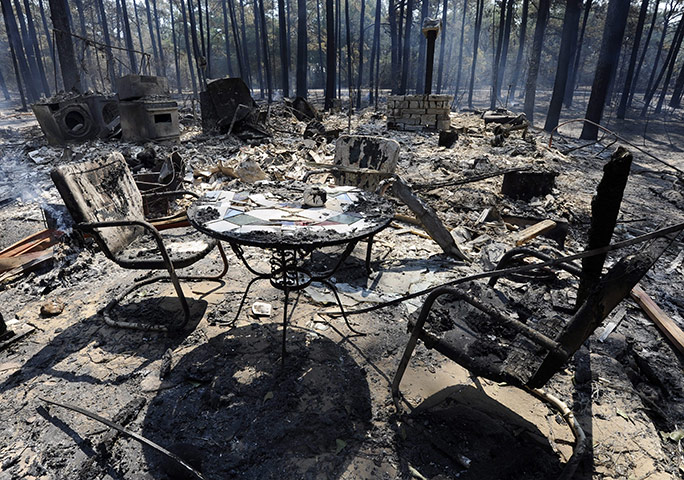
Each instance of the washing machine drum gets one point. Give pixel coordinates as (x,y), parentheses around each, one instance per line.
(76,122)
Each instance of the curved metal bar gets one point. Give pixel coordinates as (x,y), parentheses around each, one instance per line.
(322,276)
(510,255)
(244,296)
(237,249)
(339,302)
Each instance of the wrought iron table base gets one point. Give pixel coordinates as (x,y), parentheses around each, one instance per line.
(289,276)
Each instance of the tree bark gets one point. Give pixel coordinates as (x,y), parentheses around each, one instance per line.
(476,44)
(243,66)
(622,108)
(613,32)
(108,43)
(521,47)
(207,15)
(535,55)
(405,62)
(647,42)
(302,50)
(349,53)
(284,61)
(200,59)
(27,45)
(330,52)
(65,46)
(568,45)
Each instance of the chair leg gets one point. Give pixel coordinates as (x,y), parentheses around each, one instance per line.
(369,247)
(218,276)
(140,326)
(580,437)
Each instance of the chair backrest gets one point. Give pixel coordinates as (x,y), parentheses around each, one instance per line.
(99,191)
(612,288)
(365,152)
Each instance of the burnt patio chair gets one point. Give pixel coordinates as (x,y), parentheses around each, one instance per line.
(104,201)
(472,326)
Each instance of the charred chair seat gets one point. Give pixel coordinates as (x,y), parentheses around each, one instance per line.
(104,201)
(475,328)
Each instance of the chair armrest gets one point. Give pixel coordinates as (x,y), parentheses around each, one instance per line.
(91,226)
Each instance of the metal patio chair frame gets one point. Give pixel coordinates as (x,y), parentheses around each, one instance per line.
(104,201)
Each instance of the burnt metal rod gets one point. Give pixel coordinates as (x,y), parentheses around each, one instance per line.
(474,178)
(128,433)
(507,271)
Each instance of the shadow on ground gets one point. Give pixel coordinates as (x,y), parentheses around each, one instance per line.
(238,412)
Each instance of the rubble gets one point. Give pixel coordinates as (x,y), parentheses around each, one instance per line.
(225,380)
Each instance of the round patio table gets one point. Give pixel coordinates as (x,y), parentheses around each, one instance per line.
(274,216)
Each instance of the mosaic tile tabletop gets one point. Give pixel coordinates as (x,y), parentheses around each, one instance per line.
(273,214)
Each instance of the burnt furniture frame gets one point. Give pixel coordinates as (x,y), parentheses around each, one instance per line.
(535,354)
(104,201)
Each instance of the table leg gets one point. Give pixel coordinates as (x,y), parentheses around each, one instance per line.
(339,302)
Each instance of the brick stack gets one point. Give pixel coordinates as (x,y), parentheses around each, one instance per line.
(419,112)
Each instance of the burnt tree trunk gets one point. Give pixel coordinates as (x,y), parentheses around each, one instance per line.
(264,44)
(674,50)
(659,51)
(107,41)
(243,65)
(394,47)
(605,207)
(302,49)
(65,45)
(406,60)
(374,48)
(521,48)
(3,86)
(613,32)
(16,49)
(442,46)
(247,72)
(139,29)
(504,49)
(27,45)
(574,70)
(476,44)
(48,33)
(349,52)
(535,56)
(568,45)
(359,81)
(175,49)
(460,49)
(188,49)
(200,59)
(420,81)
(321,70)
(229,64)
(643,54)
(284,61)
(159,41)
(629,76)
(36,48)
(330,53)
(257,35)
(497,55)
(128,38)
(207,15)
